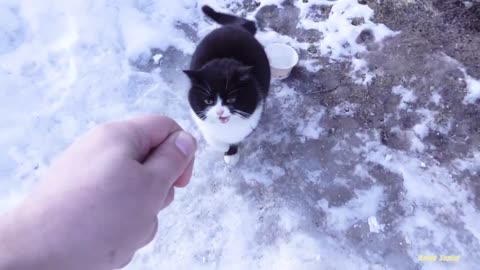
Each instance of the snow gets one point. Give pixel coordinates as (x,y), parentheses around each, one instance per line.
(310,65)
(339,33)
(67,66)
(407,96)
(421,130)
(156,58)
(436,98)
(473,87)
(373,225)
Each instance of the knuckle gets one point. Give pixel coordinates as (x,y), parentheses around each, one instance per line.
(113,132)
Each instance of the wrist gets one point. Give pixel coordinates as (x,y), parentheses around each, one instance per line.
(9,254)
(17,248)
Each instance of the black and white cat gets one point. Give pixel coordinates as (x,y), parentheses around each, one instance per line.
(230,77)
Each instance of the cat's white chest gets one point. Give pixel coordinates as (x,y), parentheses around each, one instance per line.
(233,132)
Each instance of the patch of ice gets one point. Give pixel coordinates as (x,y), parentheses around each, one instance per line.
(360,208)
(416,180)
(436,204)
(266,175)
(311,128)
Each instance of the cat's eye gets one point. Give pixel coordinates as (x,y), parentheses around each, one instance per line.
(231,100)
(208,101)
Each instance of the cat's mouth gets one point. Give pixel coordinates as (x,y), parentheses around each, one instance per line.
(224,120)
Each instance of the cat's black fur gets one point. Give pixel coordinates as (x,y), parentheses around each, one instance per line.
(229,61)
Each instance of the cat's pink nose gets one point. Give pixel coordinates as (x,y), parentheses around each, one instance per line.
(220,112)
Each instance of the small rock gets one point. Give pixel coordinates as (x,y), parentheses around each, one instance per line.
(358,21)
(366,36)
(312,49)
(423,165)
(362,2)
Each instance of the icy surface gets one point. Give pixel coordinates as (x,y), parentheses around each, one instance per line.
(318,186)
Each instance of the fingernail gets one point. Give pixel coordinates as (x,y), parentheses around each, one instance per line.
(186,143)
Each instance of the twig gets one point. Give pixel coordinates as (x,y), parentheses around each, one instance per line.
(328,90)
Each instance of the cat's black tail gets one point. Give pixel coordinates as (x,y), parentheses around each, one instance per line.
(223,19)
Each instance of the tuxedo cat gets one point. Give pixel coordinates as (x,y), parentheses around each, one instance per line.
(230,79)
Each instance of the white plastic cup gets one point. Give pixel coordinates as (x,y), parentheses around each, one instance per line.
(282,60)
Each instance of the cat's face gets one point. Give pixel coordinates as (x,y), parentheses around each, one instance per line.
(220,94)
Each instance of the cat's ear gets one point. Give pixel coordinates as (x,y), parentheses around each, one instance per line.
(192,74)
(244,73)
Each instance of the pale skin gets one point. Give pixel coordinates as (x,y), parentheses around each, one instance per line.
(98,202)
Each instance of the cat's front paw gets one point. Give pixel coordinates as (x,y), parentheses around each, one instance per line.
(231,159)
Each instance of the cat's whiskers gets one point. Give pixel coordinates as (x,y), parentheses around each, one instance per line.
(242,114)
(202,114)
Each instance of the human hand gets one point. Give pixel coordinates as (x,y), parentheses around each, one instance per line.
(98,202)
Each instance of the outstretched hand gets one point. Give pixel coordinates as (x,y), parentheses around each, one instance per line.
(98,202)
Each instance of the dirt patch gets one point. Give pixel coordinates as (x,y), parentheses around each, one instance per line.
(452,26)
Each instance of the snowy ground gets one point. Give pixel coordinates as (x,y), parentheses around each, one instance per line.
(366,158)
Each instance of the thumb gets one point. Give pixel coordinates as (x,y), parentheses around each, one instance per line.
(169,160)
